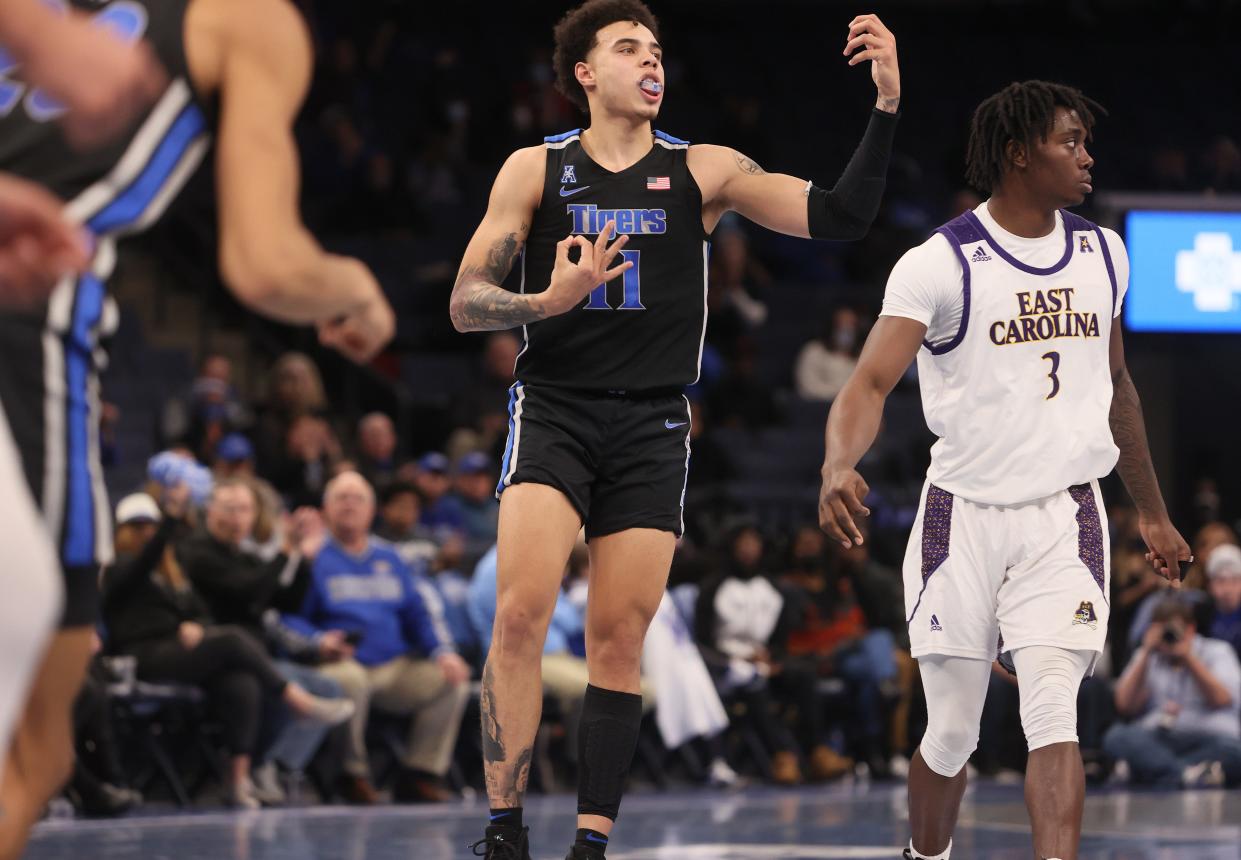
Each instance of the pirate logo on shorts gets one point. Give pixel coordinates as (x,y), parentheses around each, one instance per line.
(1085,615)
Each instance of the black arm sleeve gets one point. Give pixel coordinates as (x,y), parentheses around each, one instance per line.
(847,211)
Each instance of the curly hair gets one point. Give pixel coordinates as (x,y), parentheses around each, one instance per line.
(576,34)
(1018,113)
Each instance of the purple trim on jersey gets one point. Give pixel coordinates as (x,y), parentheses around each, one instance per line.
(1111,270)
(1013,261)
(958,231)
(1089,532)
(936,535)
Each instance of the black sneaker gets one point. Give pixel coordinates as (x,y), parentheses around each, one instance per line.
(504,843)
(905,854)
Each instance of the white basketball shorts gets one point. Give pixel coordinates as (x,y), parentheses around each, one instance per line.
(985,579)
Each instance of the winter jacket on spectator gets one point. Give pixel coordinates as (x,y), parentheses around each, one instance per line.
(239,587)
(141,606)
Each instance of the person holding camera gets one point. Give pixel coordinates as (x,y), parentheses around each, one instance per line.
(1185,691)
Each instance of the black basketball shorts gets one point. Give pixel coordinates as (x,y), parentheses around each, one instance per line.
(621,458)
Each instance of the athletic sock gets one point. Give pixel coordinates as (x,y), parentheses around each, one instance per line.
(592,840)
(914,851)
(510,817)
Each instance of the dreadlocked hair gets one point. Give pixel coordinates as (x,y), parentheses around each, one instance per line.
(1018,113)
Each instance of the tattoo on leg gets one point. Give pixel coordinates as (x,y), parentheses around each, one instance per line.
(506,783)
(521,776)
(493,741)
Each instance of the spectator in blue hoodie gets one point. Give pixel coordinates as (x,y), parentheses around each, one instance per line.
(387,647)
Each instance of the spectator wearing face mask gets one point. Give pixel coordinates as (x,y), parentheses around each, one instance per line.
(825,363)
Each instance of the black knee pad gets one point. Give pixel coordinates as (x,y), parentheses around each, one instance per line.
(606,743)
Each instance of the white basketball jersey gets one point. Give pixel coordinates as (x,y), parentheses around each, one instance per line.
(1020,396)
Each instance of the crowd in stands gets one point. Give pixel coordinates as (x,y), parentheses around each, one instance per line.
(315,617)
(324,606)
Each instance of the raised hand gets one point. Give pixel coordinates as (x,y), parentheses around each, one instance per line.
(572,282)
(878,46)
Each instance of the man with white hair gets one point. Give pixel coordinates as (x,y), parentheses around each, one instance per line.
(383,645)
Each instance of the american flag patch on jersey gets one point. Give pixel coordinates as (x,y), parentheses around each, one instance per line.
(658,183)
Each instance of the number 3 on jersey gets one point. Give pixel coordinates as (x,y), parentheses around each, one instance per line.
(1054,358)
(631,282)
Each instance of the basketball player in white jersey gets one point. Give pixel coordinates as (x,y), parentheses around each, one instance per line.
(1012,311)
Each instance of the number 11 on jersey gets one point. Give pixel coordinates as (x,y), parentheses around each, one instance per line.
(631,282)
(1054,358)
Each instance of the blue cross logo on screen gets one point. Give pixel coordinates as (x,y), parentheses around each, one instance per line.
(1185,270)
(1211,271)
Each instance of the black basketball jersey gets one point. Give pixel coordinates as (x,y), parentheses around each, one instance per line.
(645,329)
(50,356)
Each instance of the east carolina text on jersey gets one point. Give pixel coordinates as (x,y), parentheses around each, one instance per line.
(1045,315)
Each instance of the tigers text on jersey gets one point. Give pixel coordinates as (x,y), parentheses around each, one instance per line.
(52,354)
(1015,370)
(643,330)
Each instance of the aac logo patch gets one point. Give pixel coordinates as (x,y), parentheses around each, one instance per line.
(1085,615)
(1084,246)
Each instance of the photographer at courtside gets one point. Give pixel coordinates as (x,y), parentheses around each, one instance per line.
(1185,692)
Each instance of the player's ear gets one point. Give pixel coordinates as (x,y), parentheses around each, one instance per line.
(585,75)
(1016,153)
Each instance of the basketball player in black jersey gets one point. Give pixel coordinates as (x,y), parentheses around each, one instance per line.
(599,427)
(236,70)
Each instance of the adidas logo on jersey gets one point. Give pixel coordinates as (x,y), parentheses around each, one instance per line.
(934,618)
(980,256)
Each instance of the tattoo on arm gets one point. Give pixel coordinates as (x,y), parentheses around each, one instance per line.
(506,781)
(748,165)
(478,301)
(1129,432)
(888,105)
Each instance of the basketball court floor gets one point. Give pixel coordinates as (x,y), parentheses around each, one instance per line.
(848,821)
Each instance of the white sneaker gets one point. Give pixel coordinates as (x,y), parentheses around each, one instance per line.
(267,788)
(1205,774)
(242,795)
(722,776)
(1122,774)
(330,712)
